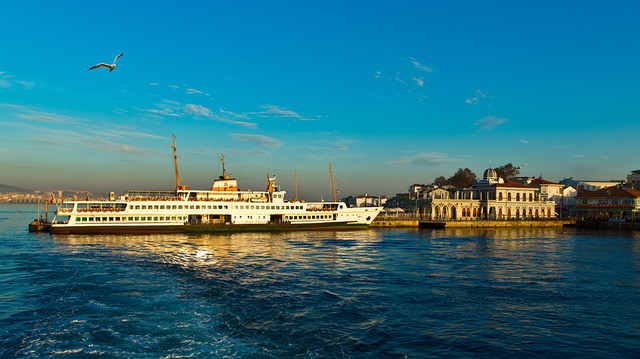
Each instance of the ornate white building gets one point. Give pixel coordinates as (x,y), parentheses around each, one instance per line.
(489,198)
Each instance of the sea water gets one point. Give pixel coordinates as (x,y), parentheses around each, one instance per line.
(396,293)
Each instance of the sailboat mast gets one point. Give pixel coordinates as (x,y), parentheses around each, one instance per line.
(175,161)
(332,187)
(296,183)
(224,170)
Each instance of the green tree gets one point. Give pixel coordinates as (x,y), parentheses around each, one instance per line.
(463,178)
(507,171)
(441,181)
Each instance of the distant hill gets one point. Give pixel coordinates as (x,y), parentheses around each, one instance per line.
(5,188)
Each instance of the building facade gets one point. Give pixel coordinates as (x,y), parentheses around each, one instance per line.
(489,198)
(613,202)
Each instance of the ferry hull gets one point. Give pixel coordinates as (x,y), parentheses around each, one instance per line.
(207,228)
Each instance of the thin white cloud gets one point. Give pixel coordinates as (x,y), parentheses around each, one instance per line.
(419,81)
(478,95)
(260,140)
(192,109)
(165,108)
(278,112)
(490,122)
(191,91)
(221,115)
(577,156)
(26,84)
(48,117)
(523,141)
(4,80)
(424,159)
(7,81)
(419,66)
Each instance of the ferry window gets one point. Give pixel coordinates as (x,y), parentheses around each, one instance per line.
(110,219)
(148,218)
(136,218)
(131,219)
(144,207)
(161,207)
(191,207)
(173,207)
(278,207)
(180,207)
(154,207)
(104,219)
(155,218)
(173,218)
(142,218)
(197,207)
(117,219)
(226,207)
(137,206)
(90,219)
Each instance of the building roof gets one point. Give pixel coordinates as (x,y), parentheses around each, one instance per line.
(539,181)
(611,192)
(511,184)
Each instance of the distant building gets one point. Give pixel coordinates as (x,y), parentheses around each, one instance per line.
(611,202)
(583,185)
(633,179)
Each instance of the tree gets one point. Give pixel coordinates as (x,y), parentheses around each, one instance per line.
(507,171)
(463,178)
(441,181)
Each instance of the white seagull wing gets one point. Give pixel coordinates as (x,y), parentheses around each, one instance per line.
(117,57)
(100,65)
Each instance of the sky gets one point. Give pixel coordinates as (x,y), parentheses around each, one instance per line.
(390,93)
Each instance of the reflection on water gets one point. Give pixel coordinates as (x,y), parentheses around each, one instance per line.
(371,293)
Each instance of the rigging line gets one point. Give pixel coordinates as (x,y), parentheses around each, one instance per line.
(347,183)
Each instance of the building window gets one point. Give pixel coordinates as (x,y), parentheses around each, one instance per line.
(509,196)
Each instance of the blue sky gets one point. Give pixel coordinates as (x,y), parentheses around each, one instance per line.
(391,93)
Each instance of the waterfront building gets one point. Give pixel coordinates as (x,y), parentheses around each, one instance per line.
(584,185)
(490,198)
(615,202)
(633,179)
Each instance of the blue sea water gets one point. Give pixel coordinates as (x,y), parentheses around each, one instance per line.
(395,293)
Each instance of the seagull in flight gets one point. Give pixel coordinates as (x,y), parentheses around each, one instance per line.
(109,66)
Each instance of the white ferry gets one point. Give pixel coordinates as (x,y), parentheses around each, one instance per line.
(222,208)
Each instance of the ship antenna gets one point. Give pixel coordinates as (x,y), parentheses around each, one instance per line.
(332,187)
(175,161)
(296,182)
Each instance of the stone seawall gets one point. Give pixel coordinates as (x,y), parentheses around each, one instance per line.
(608,225)
(395,223)
(471,224)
